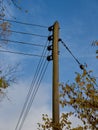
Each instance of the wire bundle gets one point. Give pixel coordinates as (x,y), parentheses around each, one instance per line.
(39,74)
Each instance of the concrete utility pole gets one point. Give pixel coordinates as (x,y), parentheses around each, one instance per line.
(55,93)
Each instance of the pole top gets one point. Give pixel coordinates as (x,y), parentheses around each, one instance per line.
(56,22)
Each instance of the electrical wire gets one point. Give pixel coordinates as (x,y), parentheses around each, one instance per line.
(35,79)
(34,94)
(14,3)
(82,67)
(25,33)
(70,51)
(21,42)
(19,22)
(35,87)
(30,90)
(36,83)
(21,53)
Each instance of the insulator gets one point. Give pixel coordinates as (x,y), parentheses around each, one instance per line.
(59,40)
(49,58)
(50,38)
(49,48)
(58,52)
(50,28)
(81,66)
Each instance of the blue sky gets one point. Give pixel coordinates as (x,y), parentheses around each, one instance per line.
(78,21)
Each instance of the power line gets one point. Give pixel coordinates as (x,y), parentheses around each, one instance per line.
(82,67)
(30,97)
(31,89)
(21,42)
(42,73)
(19,22)
(36,82)
(21,53)
(36,76)
(13,1)
(39,69)
(25,33)
(69,51)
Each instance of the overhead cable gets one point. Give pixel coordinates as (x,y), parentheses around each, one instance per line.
(19,22)
(37,85)
(69,51)
(21,42)
(30,97)
(33,90)
(30,90)
(25,33)
(21,53)
(40,72)
(82,67)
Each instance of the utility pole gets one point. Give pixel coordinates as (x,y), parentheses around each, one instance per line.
(55,85)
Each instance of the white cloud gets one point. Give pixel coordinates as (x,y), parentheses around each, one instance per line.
(10,110)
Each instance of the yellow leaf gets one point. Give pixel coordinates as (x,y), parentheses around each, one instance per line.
(77,78)
(89,86)
(3,83)
(84,73)
(81,83)
(68,89)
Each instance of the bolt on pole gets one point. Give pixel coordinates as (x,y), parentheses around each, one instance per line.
(55,85)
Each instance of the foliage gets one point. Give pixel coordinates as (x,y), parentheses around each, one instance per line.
(78,128)
(4,25)
(48,124)
(3,83)
(4,30)
(82,98)
(4,33)
(7,76)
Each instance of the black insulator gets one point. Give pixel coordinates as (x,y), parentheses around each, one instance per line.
(49,48)
(49,58)
(50,28)
(59,40)
(81,66)
(50,38)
